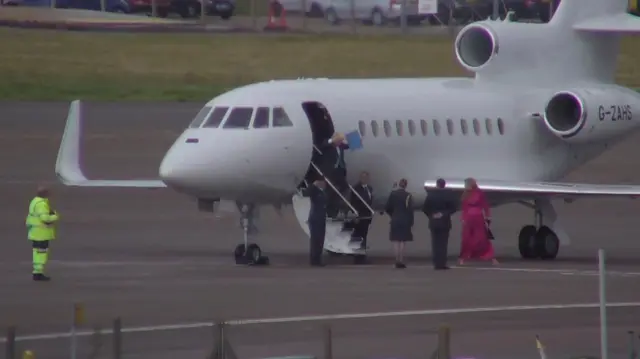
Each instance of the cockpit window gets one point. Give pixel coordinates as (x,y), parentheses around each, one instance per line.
(262,118)
(280,118)
(216,117)
(240,117)
(200,117)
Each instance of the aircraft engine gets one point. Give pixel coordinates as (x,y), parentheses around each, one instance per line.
(500,47)
(591,114)
(476,46)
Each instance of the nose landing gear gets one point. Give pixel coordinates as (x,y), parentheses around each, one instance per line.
(248,253)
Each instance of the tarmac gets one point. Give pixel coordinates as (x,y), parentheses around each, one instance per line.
(151,259)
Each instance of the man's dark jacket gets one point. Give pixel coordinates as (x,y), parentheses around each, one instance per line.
(440,201)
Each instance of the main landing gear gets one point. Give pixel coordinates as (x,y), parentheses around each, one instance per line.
(248,253)
(538,241)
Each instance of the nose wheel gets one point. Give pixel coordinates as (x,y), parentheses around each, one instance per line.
(248,253)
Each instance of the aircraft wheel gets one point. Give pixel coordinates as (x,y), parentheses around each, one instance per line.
(547,243)
(253,254)
(527,242)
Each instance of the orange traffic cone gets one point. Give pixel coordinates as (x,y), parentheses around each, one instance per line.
(277,18)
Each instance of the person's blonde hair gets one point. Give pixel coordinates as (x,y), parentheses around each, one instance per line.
(469,185)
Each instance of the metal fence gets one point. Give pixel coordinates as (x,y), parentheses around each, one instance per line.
(342,16)
(237,340)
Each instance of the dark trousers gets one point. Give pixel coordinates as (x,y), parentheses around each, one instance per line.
(338,177)
(439,246)
(316,241)
(361,230)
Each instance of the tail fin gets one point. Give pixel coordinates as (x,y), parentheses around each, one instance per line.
(579,13)
(589,31)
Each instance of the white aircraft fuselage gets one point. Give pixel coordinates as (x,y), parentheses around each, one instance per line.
(266,165)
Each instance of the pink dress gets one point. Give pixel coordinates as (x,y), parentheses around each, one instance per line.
(475,242)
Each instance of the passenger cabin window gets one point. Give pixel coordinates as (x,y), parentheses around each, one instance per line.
(436,127)
(489,125)
(412,127)
(362,127)
(463,126)
(387,128)
(240,117)
(374,128)
(280,118)
(216,117)
(262,118)
(399,127)
(450,126)
(500,126)
(200,117)
(423,127)
(476,126)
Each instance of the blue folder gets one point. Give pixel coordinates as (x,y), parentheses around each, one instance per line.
(354,140)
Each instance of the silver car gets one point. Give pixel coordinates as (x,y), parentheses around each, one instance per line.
(315,8)
(376,12)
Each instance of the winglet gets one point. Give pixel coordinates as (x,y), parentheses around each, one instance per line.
(68,162)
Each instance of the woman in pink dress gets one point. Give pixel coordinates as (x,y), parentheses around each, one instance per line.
(475,214)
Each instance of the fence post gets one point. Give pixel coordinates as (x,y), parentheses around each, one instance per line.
(117,338)
(604,352)
(216,351)
(328,344)
(78,320)
(154,8)
(444,342)
(304,14)
(253,13)
(11,343)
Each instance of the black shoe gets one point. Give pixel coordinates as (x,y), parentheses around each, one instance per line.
(317,264)
(400,265)
(441,268)
(41,278)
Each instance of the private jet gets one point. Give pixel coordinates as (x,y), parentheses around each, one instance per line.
(542,102)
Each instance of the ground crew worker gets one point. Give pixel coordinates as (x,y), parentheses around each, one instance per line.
(41,222)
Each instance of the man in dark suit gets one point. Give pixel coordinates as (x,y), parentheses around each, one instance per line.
(439,206)
(317,220)
(364,191)
(335,169)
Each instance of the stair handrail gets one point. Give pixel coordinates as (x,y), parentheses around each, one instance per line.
(335,189)
(362,200)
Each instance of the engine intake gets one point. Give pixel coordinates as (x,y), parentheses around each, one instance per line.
(565,114)
(475,47)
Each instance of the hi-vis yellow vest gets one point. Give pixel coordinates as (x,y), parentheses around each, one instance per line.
(40,223)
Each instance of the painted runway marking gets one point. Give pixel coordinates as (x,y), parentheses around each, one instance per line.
(312,318)
(224,263)
(561,271)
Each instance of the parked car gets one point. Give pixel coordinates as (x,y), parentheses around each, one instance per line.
(121,6)
(192,8)
(314,8)
(375,12)
(163,7)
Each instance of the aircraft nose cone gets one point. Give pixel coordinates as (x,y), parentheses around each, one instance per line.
(174,172)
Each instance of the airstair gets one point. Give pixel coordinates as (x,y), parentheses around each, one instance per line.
(339,232)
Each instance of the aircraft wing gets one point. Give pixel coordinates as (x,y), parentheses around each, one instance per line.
(68,167)
(564,190)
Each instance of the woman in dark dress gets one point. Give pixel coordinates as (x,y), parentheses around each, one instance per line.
(400,208)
